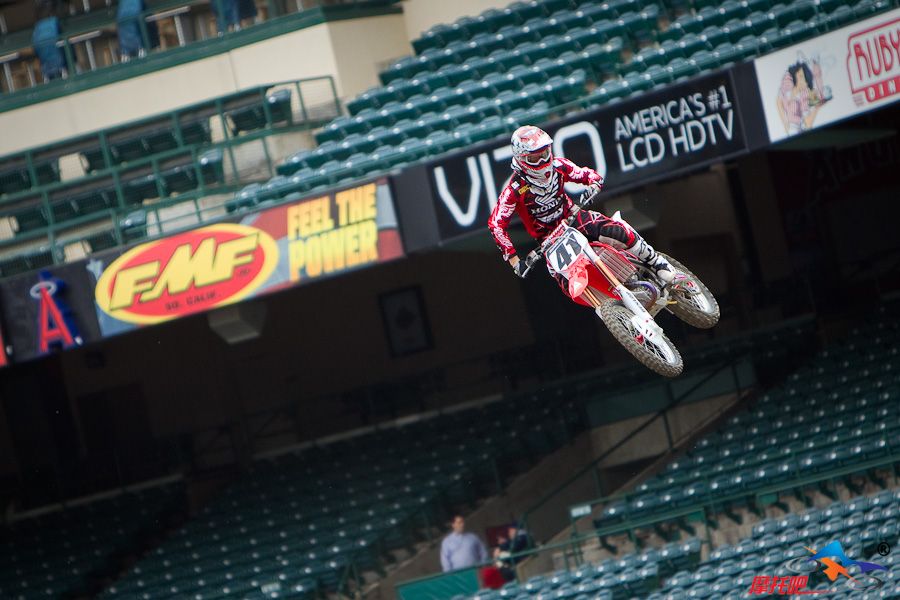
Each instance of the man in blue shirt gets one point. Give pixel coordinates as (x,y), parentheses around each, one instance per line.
(460,549)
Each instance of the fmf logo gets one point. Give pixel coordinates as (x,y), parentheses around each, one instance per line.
(187,273)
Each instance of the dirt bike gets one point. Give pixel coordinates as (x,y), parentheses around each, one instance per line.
(624,293)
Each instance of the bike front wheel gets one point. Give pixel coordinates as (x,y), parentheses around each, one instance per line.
(658,355)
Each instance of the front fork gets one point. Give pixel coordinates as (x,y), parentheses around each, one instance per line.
(640,317)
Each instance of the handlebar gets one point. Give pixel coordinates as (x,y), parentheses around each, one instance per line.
(535,256)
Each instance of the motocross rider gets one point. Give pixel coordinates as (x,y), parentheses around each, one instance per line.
(536,191)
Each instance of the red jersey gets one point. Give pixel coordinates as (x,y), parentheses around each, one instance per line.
(540,209)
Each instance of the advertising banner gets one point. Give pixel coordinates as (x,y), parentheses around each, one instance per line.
(831,77)
(659,133)
(200,269)
(267,251)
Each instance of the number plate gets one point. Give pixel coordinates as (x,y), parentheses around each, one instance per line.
(565,250)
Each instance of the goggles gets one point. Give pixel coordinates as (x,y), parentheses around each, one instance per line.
(537,158)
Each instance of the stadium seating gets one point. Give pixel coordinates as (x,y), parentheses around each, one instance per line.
(296,522)
(675,571)
(546,54)
(52,554)
(161,159)
(836,412)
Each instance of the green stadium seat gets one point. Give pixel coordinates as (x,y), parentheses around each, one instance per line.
(797,31)
(603,59)
(472,90)
(413,149)
(540,27)
(195,131)
(733,9)
(14,176)
(566,20)
(516,35)
(247,197)
(714,35)
(495,18)
(454,53)
(759,22)
(680,68)
(641,26)
(647,57)
(510,100)
(358,142)
(435,81)
(531,9)
(274,189)
(526,74)
(462,115)
(485,43)
(609,29)
(427,104)
(748,46)
(467,49)
(138,189)
(455,74)
(382,136)
(249,118)
(507,59)
(474,25)
(371,98)
(554,67)
(389,156)
(595,13)
(93,200)
(710,16)
(704,60)
(412,128)
(689,23)
(29,219)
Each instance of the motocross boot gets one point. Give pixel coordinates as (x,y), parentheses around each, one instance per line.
(654,261)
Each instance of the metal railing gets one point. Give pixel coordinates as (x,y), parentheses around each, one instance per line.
(569,554)
(538,511)
(91,41)
(214,167)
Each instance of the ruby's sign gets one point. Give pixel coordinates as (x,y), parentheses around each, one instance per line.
(831,77)
(873,62)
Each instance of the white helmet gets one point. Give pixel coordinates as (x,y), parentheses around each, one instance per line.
(532,153)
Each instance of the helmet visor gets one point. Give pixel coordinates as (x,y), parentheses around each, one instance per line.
(538,158)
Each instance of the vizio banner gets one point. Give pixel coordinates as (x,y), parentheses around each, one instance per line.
(660,133)
(226,262)
(831,77)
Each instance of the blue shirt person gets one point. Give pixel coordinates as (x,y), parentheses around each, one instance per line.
(460,549)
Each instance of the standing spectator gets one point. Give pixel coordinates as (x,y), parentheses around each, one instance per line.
(227,15)
(44,38)
(460,549)
(131,36)
(513,543)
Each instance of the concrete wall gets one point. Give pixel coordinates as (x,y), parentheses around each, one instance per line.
(322,338)
(352,51)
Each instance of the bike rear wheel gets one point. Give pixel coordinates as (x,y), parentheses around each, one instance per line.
(659,355)
(694,303)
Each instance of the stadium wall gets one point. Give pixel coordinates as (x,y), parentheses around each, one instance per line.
(327,339)
(331,48)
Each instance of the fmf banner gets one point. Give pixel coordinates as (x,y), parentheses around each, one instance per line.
(831,77)
(224,263)
(679,127)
